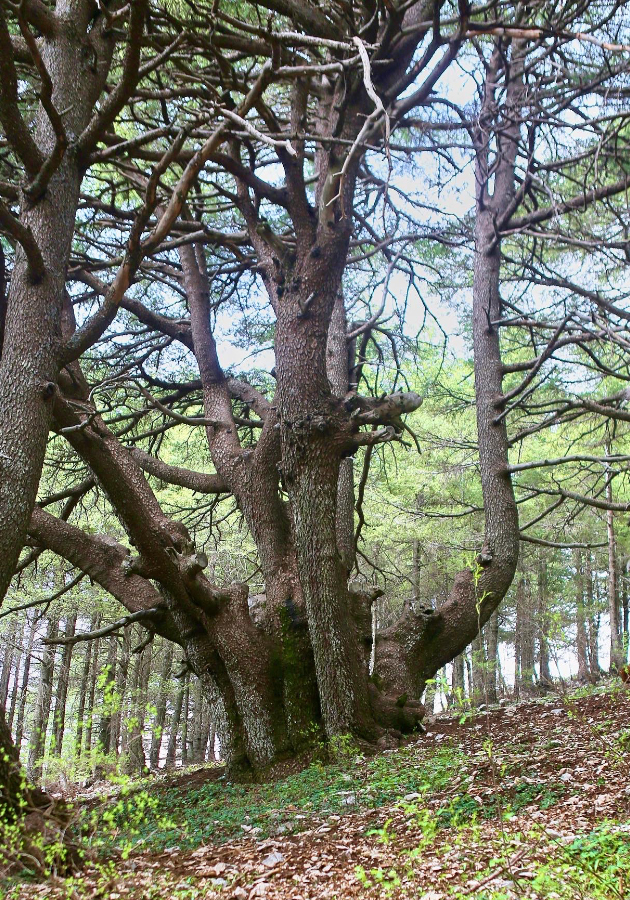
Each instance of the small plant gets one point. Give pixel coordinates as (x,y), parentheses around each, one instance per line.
(387,881)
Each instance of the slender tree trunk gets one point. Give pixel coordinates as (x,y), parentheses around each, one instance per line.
(160,711)
(616,650)
(543,625)
(109,701)
(135,759)
(580,619)
(61,695)
(199,735)
(42,709)
(457,680)
(16,676)
(492,639)
(524,640)
(592,600)
(209,749)
(83,691)
(625,610)
(185,713)
(10,642)
(93,678)
(122,673)
(174,725)
(19,728)
(478,670)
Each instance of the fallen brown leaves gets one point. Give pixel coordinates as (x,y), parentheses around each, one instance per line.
(560,758)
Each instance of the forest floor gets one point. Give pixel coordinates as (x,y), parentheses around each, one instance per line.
(530,800)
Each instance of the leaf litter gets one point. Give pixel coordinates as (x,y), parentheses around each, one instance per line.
(532,783)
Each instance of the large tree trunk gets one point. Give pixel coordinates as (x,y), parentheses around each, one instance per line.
(31,347)
(274,671)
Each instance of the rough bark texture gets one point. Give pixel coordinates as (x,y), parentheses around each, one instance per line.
(32,330)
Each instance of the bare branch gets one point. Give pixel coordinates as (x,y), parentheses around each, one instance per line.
(142,615)
(188,478)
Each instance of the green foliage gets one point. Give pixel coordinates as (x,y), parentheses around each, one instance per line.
(595,865)
(221,810)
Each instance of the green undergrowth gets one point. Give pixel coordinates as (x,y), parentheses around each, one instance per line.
(186,817)
(593,866)
(218,811)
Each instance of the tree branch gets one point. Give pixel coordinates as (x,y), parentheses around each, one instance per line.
(188,478)
(141,616)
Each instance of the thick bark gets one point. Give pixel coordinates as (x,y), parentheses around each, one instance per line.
(258,668)
(32,329)
(12,797)
(338,365)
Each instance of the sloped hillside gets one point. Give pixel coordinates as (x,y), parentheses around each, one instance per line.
(525,801)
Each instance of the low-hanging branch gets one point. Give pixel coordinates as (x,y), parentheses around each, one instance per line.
(139,616)
(557,546)
(541,463)
(195,481)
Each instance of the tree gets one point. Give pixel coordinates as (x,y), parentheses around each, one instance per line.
(256,170)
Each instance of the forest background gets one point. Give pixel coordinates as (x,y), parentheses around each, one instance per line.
(542,93)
